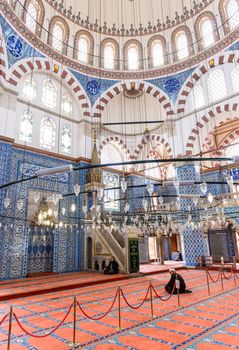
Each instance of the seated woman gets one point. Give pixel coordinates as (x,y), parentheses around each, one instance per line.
(170,285)
(112,268)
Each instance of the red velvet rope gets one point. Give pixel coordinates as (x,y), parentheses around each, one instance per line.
(227,278)
(4,318)
(135,307)
(100,317)
(44,335)
(214,281)
(162,298)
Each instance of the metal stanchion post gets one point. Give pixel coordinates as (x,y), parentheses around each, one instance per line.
(9,329)
(119,308)
(177,285)
(151,300)
(208,287)
(73,344)
(234,276)
(222,279)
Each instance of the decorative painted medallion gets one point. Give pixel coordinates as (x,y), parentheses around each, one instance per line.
(171,85)
(15,46)
(93,87)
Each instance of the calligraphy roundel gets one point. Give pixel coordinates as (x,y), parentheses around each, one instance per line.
(93,87)
(172,85)
(15,46)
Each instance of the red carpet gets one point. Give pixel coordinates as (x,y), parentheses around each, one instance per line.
(201,322)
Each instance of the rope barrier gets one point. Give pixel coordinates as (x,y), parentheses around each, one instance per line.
(44,335)
(211,278)
(3,319)
(100,317)
(135,307)
(162,297)
(227,278)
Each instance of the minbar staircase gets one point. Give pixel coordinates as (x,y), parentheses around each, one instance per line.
(114,242)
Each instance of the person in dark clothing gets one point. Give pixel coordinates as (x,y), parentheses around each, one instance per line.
(112,268)
(170,285)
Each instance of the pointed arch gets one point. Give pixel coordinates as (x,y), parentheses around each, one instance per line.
(118,88)
(198,73)
(198,129)
(42,65)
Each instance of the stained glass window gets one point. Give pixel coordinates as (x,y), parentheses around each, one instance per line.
(47,133)
(233,13)
(207,32)
(216,85)
(49,94)
(133,58)
(235,79)
(57,37)
(111,154)
(66,139)
(197,97)
(66,105)
(233,149)
(29,89)
(182,45)
(109,56)
(31,15)
(157,54)
(111,180)
(26,126)
(83,48)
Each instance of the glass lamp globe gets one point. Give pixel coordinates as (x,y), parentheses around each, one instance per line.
(123,185)
(203,187)
(77,189)
(150,189)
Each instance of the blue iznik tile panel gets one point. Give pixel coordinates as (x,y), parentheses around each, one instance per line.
(172,85)
(94,87)
(193,241)
(67,249)
(17,48)
(234,47)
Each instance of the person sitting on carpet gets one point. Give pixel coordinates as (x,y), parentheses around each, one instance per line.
(112,268)
(170,285)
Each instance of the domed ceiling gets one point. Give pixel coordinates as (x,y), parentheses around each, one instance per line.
(133,12)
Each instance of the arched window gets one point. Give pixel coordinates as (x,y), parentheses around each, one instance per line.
(232,10)
(216,85)
(109,56)
(66,139)
(83,48)
(47,133)
(26,126)
(29,89)
(133,57)
(235,79)
(197,97)
(182,45)
(66,105)
(111,154)
(157,53)
(32,15)
(111,197)
(207,32)
(49,94)
(57,36)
